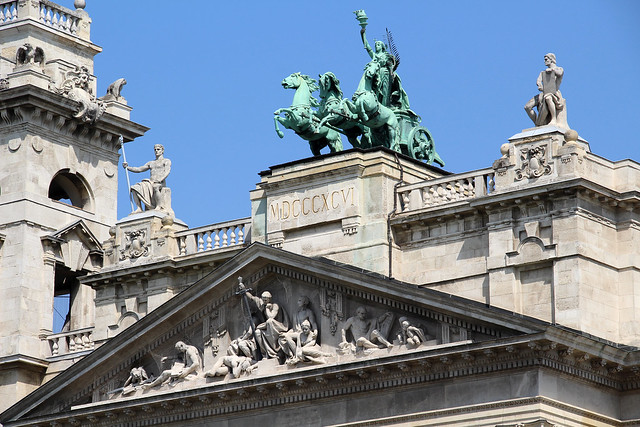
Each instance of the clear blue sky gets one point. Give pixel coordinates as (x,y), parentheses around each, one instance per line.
(205,77)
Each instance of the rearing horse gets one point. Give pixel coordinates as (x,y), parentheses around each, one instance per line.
(371,113)
(301,118)
(333,111)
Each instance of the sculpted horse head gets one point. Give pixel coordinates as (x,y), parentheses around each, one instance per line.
(329,86)
(304,86)
(302,118)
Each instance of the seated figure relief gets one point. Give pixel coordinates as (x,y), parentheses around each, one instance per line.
(275,322)
(305,347)
(368,334)
(289,339)
(410,335)
(240,358)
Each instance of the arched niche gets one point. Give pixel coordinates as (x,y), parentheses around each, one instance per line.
(72,189)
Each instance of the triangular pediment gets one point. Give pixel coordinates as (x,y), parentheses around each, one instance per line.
(73,246)
(448,332)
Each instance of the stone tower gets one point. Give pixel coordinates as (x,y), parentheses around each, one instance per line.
(58,183)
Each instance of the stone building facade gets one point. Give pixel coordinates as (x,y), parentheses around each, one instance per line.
(498,297)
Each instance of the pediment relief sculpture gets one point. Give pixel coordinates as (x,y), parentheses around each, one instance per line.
(185,365)
(281,329)
(75,86)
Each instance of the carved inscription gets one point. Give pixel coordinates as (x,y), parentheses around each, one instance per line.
(312,204)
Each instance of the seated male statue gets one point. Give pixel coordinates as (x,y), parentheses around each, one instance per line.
(549,102)
(153,192)
(365,332)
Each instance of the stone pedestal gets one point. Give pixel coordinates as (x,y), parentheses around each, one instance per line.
(335,206)
(142,238)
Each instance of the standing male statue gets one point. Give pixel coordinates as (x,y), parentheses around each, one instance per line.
(153,192)
(549,102)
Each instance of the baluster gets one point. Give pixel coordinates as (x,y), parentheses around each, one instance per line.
(78,339)
(74,25)
(233,237)
(54,19)
(457,190)
(14,12)
(200,243)
(424,194)
(224,238)
(55,347)
(71,344)
(442,193)
(2,14)
(43,17)
(216,244)
(183,245)
(492,183)
(48,16)
(240,236)
(64,24)
(209,247)
(406,202)
(86,342)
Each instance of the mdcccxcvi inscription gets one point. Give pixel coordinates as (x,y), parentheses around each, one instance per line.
(311,204)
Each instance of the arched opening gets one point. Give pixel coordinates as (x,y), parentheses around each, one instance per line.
(71,189)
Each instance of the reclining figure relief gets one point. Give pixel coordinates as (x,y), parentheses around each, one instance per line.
(185,366)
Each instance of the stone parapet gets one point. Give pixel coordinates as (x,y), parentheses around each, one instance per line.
(335,206)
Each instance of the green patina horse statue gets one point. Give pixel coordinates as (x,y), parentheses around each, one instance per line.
(301,118)
(333,112)
(370,112)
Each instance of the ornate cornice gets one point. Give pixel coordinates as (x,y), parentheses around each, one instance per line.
(351,378)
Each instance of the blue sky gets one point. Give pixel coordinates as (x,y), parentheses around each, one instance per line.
(205,77)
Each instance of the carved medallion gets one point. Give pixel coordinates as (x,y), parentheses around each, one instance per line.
(135,246)
(36,144)
(14,144)
(534,163)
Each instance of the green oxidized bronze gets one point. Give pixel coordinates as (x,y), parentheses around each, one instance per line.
(378,114)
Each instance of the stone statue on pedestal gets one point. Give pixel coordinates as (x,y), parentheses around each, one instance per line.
(153,192)
(550,104)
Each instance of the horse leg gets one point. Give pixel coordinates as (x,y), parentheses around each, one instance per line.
(335,142)
(362,112)
(315,147)
(351,108)
(276,119)
(393,138)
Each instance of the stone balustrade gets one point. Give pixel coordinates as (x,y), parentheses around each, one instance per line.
(8,11)
(215,236)
(46,12)
(70,342)
(440,191)
(59,17)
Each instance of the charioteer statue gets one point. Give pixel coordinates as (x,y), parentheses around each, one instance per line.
(377,114)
